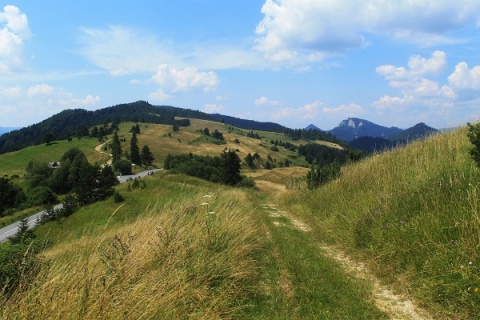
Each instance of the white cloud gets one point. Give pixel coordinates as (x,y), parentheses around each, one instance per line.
(262,101)
(172,80)
(348,110)
(158,95)
(213,108)
(24,106)
(417,66)
(122,50)
(415,87)
(465,78)
(308,111)
(41,89)
(14,31)
(185,79)
(310,30)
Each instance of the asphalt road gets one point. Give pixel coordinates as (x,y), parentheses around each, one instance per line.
(10,230)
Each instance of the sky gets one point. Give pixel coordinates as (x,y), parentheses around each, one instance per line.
(293,62)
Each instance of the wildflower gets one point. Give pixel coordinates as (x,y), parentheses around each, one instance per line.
(204,203)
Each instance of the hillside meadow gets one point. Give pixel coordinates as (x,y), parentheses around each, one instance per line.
(181,248)
(411,215)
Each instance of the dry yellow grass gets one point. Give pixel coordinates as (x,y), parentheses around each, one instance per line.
(182,260)
(277,179)
(185,141)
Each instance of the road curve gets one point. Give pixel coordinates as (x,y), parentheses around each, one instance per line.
(11,229)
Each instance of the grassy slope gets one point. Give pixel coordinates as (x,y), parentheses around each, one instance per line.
(413,216)
(160,254)
(156,137)
(188,139)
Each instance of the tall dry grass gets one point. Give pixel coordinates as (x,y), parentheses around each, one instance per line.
(413,215)
(184,259)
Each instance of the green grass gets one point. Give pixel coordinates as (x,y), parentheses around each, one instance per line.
(14,163)
(413,215)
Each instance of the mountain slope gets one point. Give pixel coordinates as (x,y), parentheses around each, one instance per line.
(418,131)
(353,128)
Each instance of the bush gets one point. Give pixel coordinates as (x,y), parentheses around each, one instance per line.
(247,182)
(18,265)
(117,197)
(124,167)
(474,136)
(321,175)
(41,195)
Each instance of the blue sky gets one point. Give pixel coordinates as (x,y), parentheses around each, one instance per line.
(293,62)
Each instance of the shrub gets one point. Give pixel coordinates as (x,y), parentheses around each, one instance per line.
(41,195)
(474,136)
(117,197)
(123,166)
(321,175)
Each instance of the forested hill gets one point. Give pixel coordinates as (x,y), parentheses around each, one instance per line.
(249,124)
(70,123)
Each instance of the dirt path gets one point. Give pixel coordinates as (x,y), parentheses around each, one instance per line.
(99,148)
(396,306)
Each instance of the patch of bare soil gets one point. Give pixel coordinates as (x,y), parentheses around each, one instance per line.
(397,306)
(99,149)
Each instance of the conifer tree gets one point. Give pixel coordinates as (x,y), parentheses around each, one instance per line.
(147,156)
(134,151)
(116,148)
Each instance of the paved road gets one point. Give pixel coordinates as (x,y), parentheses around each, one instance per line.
(123,179)
(10,230)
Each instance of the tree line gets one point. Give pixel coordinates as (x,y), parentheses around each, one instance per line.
(223,169)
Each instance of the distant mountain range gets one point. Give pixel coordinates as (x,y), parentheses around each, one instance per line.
(368,136)
(77,122)
(353,128)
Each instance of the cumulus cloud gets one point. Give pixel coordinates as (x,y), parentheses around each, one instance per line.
(35,103)
(185,79)
(310,30)
(465,78)
(308,111)
(414,85)
(418,66)
(262,101)
(14,31)
(172,80)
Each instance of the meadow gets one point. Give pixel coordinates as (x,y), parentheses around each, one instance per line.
(411,215)
(182,248)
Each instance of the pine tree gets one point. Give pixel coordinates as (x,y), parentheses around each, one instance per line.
(231,166)
(147,156)
(116,148)
(134,151)
(249,160)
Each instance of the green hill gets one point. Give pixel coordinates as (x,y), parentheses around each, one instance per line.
(412,216)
